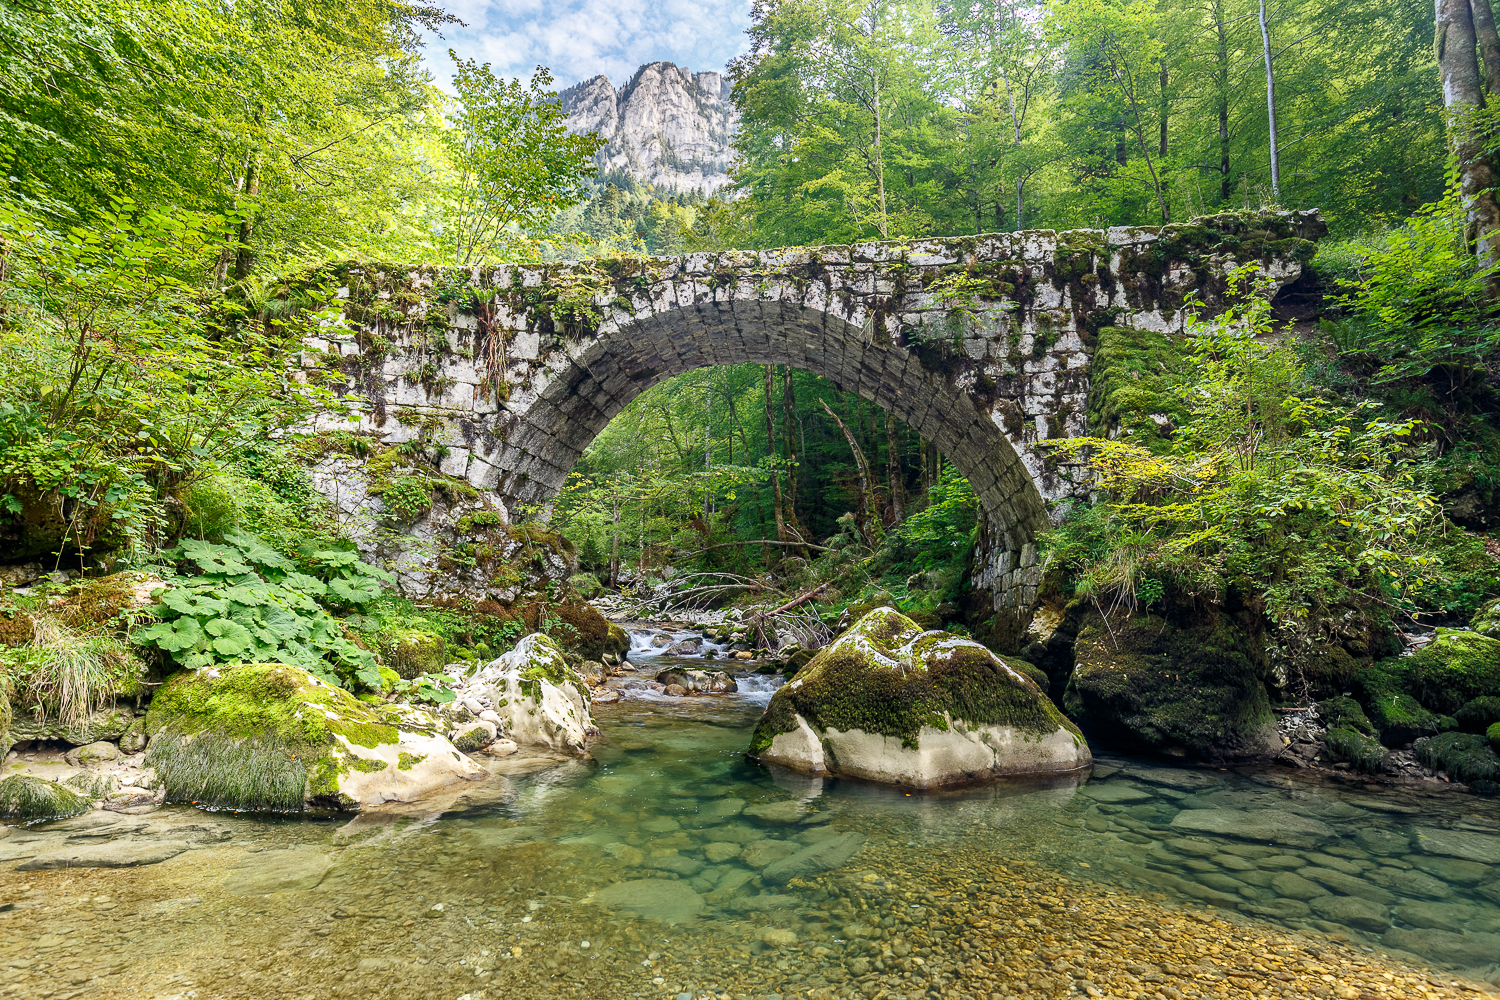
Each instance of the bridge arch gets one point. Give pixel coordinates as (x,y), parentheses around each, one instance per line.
(577,403)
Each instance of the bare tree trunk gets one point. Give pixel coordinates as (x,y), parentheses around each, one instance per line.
(1265,39)
(789,434)
(1458,68)
(885,230)
(243,256)
(614,548)
(781,533)
(893,469)
(1221,98)
(1489,44)
(1161,149)
(862,513)
(926,467)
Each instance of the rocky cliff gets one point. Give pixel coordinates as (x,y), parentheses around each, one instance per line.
(667,127)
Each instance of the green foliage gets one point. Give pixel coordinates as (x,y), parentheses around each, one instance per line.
(1268,492)
(125,380)
(1417,303)
(36,800)
(244,602)
(516,163)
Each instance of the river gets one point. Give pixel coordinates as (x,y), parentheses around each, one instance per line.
(648,872)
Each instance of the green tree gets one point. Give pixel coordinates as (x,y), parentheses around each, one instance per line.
(516,164)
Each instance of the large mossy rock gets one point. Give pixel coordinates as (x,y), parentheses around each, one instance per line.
(889,702)
(1487,620)
(540,699)
(1192,687)
(29,799)
(104,724)
(274,737)
(1409,698)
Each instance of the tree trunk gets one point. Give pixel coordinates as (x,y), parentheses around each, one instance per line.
(243,257)
(781,534)
(893,469)
(1458,69)
(789,434)
(1489,44)
(1163,113)
(862,512)
(926,467)
(1265,40)
(614,548)
(1221,97)
(885,231)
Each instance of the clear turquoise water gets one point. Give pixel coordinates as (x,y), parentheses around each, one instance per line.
(494,890)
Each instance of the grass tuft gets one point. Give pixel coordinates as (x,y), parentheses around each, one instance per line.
(36,800)
(250,774)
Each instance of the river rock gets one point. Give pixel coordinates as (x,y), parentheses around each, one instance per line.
(1273,826)
(699,681)
(719,851)
(110,854)
(290,870)
(104,724)
(1190,686)
(1457,949)
(761,853)
(473,736)
(821,856)
(671,902)
(1116,792)
(1353,911)
(274,737)
(1466,844)
(92,753)
(541,699)
(33,800)
(889,702)
(1292,886)
(784,811)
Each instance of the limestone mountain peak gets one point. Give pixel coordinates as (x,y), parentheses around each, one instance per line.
(667,127)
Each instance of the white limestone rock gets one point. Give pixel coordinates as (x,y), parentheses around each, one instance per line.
(889,702)
(539,698)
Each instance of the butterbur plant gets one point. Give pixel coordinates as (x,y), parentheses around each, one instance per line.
(249,603)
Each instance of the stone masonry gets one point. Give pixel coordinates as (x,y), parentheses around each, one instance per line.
(982,344)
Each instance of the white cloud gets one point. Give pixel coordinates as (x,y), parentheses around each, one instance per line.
(578,39)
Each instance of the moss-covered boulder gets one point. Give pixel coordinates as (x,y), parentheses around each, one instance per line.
(273,737)
(1457,666)
(1478,715)
(889,702)
(1361,752)
(1466,757)
(1413,697)
(539,698)
(1487,620)
(412,652)
(27,799)
(1189,687)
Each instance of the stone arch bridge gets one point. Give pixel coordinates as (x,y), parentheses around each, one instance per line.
(982,344)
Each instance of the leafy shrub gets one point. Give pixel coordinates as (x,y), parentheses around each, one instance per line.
(248,603)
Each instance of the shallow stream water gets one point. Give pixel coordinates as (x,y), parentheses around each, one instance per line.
(648,873)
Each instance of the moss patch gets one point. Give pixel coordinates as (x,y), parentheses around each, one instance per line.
(1130,378)
(1345,713)
(259,737)
(885,675)
(35,800)
(1191,686)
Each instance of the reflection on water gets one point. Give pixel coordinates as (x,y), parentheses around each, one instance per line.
(672,865)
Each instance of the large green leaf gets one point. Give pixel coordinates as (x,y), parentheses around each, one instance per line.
(173,636)
(250,594)
(359,590)
(230,637)
(194,603)
(283,624)
(258,552)
(213,558)
(303,583)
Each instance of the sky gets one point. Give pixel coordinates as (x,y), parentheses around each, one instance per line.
(579,39)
